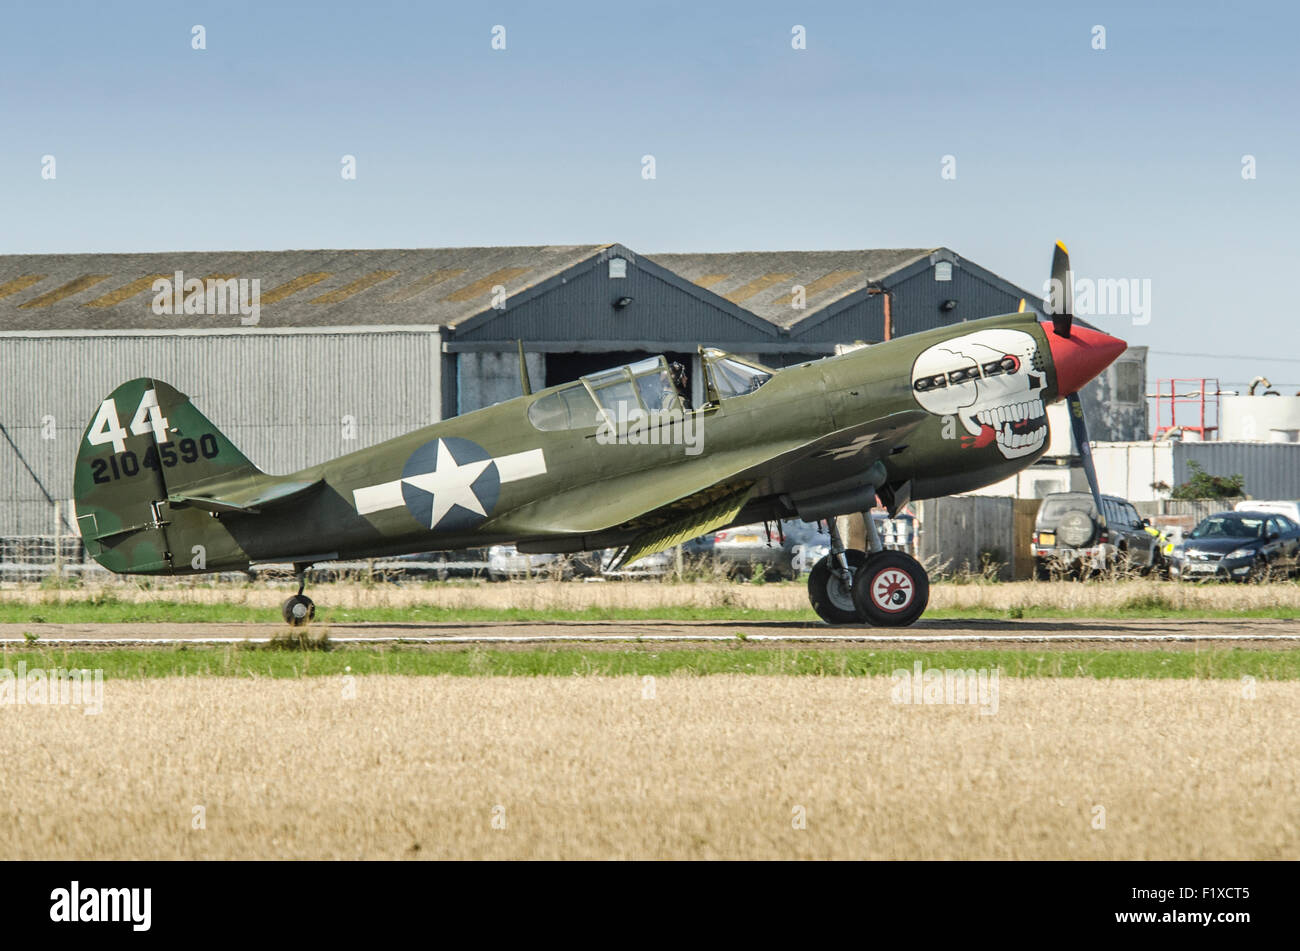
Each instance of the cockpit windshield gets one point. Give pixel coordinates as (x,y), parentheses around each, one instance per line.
(647,386)
(733,377)
(569,407)
(623,393)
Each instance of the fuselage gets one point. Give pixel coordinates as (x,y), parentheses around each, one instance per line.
(978,430)
(928,414)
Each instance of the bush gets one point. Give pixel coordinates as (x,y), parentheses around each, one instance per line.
(1202,485)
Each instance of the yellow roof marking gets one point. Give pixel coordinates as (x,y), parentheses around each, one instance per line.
(294,286)
(485,284)
(823,283)
(708,280)
(126,291)
(416,288)
(20,284)
(67,290)
(755,286)
(356,287)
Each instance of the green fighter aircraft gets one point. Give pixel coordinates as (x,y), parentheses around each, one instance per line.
(617,459)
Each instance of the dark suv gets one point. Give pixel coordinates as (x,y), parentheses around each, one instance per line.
(1068,537)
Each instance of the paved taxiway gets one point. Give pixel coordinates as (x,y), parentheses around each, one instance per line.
(1078,634)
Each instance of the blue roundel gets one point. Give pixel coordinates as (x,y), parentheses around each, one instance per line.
(450,484)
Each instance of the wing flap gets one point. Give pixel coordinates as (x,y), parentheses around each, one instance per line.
(690,524)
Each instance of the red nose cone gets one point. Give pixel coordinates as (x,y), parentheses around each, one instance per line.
(1081,356)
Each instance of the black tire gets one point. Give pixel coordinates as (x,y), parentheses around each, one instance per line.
(891,589)
(1041,571)
(298,610)
(832,603)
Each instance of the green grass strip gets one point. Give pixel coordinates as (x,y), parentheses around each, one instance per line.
(113,611)
(258,661)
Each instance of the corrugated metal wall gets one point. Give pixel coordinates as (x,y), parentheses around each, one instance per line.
(915,305)
(581,316)
(281,398)
(917,301)
(1272,470)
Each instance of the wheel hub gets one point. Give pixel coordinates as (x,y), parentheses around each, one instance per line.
(892,590)
(840,591)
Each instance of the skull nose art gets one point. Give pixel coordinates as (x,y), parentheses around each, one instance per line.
(1081,356)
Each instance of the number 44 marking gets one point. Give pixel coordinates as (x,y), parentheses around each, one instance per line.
(108,428)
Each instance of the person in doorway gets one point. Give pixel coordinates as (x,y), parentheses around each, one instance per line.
(681,384)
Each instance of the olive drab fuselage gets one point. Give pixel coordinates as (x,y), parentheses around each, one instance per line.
(929,414)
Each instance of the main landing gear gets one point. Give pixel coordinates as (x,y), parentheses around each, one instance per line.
(882,588)
(299,609)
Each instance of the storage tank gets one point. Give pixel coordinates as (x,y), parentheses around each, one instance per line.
(1259,418)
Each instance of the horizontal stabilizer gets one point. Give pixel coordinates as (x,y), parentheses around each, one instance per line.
(249,502)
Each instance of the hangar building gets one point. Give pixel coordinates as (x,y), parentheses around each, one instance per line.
(350,348)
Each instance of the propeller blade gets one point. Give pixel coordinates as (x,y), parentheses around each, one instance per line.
(1080,429)
(1061,298)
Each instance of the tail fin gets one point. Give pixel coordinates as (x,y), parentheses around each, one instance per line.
(148,443)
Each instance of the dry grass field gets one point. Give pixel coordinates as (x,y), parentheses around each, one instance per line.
(710,767)
(1092,597)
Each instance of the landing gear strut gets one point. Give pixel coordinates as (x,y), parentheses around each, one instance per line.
(830,583)
(883,588)
(299,609)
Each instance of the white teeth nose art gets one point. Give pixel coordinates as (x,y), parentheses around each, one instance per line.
(996,406)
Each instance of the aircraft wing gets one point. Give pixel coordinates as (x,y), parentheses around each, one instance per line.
(675,497)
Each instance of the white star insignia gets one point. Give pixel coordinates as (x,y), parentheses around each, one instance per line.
(450,484)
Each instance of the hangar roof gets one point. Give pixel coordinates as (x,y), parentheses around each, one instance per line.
(320,288)
(762,281)
(737,296)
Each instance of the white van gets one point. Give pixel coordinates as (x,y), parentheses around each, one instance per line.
(1290,509)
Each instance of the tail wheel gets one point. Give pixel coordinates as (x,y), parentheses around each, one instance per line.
(298,610)
(831,598)
(891,589)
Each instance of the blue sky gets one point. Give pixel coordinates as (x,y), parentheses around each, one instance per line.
(1132,154)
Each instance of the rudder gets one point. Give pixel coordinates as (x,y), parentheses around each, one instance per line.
(147,442)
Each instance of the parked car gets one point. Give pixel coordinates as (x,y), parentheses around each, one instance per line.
(1238,546)
(468,563)
(1290,509)
(805,554)
(651,566)
(1068,536)
(896,534)
(745,548)
(507,561)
